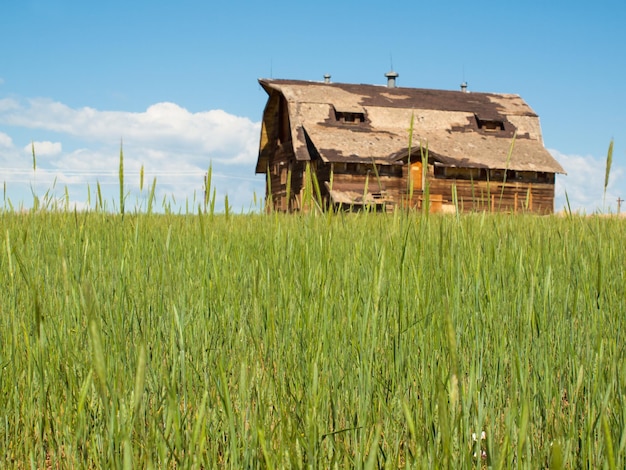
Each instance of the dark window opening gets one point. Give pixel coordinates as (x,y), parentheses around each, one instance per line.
(535,176)
(350,118)
(490,125)
(389,170)
(460,173)
(497,175)
(526,176)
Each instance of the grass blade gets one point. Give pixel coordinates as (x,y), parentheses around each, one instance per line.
(607,172)
(121,177)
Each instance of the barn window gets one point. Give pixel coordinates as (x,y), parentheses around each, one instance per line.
(497,174)
(545,177)
(389,170)
(349,114)
(357,168)
(526,175)
(339,167)
(461,173)
(351,118)
(489,124)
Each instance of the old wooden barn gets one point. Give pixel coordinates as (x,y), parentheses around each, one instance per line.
(482,151)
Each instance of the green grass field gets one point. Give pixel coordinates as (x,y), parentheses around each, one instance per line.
(328,341)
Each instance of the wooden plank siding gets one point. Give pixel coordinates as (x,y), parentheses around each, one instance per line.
(282,167)
(472,195)
(392,191)
(494,196)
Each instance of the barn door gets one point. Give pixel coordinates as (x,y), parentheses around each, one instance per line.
(417,175)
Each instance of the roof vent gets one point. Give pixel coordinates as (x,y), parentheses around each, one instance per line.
(391,79)
(327,78)
(464,87)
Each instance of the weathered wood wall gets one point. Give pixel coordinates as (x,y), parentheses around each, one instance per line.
(527,193)
(282,167)
(495,196)
(390,188)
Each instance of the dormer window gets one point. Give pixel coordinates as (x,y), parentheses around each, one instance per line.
(343,116)
(489,124)
(350,115)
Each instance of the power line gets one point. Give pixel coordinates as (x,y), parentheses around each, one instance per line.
(12,173)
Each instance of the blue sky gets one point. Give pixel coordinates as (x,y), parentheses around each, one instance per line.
(177,81)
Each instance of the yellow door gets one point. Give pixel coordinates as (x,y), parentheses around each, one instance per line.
(416,175)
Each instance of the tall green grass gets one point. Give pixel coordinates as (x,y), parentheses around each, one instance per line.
(311,341)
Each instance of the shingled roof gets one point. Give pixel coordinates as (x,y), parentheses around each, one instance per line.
(453,125)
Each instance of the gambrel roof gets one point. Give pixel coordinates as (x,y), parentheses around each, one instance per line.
(340,122)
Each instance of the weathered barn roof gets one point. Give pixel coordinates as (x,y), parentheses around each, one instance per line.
(340,122)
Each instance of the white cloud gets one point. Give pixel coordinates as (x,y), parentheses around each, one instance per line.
(172,144)
(209,135)
(584,184)
(44,149)
(8,104)
(5,140)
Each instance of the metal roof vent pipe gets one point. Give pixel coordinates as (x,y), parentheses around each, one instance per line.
(464,87)
(327,78)
(391,79)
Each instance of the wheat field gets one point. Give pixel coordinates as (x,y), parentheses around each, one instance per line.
(311,341)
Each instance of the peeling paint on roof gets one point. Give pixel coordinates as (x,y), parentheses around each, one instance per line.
(446,122)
